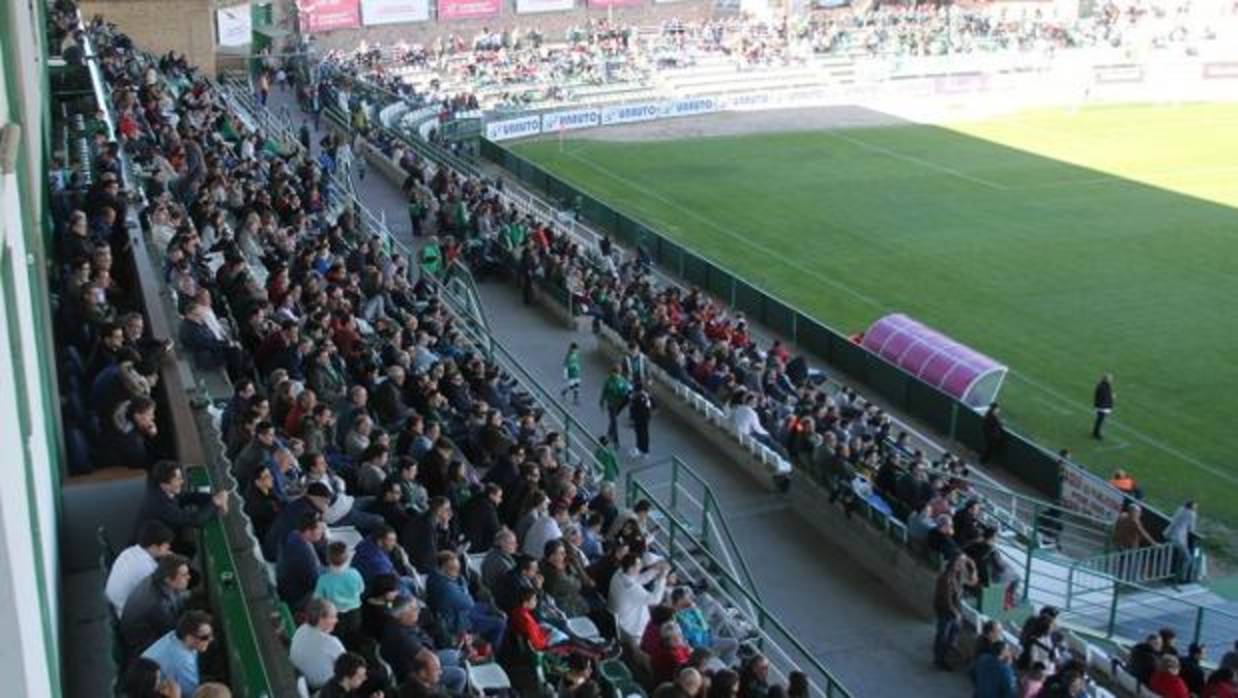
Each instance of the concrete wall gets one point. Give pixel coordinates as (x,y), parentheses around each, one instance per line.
(159,26)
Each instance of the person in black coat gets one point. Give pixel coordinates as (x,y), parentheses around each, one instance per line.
(994,432)
(1102,400)
(315,500)
(641,411)
(479,518)
(164,501)
(428,533)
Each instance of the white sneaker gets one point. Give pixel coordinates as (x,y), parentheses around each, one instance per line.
(634,453)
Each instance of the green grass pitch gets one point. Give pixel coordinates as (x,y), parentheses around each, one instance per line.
(1062,243)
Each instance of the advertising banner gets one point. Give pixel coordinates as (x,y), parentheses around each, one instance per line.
(1118,73)
(514,128)
(631,113)
(688,107)
(568,120)
(1087,494)
(375,12)
(326,15)
(615,3)
(235,25)
(468,9)
(530,6)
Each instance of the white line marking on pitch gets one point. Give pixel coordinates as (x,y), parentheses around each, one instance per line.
(917,160)
(1066,401)
(730,233)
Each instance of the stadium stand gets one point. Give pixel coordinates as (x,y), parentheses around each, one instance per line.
(345,412)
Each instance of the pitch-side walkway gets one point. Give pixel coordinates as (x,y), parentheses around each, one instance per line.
(874,644)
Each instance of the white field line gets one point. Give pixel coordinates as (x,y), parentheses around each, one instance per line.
(1137,435)
(763,249)
(1065,401)
(938,167)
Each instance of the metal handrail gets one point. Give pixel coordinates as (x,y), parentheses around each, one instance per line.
(710,511)
(766,622)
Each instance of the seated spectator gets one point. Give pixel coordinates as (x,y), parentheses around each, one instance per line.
(342,586)
(563,581)
(129,442)
(154,605)
(314,501)
(453,606)
(298,567)
(479,517)
(426,678)
(165,502)
(348,679)
(499,560)
(673,653)
(994,675)
(941,538)
(1144,658)
(754,677)
(630,597)
(425,533)
(1221,684)
(1192,670)
(687,684)
(1166,682)
(261,503)
(403,639)
(314,647)
(144,679)
(696,629)
(1230,659)
(137,562)
(176,652)
(379,554)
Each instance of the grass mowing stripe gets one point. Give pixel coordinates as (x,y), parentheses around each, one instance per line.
(1055,277)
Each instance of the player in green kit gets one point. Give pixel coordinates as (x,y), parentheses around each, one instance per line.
(571,373)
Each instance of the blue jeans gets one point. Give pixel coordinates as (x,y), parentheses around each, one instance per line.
(489,623)
(454,676)
(946,637)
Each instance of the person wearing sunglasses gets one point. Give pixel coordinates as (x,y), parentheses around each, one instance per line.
(177,652)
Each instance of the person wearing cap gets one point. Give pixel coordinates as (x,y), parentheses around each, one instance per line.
(403,638)
(314,648)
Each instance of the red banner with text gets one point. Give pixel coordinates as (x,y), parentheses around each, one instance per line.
(468,9)
(326,15)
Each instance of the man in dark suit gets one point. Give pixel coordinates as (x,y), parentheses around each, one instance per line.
(1102,400)
(479,517)
(180,511)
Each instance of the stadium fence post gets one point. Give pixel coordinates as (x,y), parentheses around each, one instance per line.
(1031,543)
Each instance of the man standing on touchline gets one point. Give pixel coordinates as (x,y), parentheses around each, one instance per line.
(1102,400)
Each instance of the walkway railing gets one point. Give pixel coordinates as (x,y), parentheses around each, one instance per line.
(690,555)
(689,497)
(1154,563)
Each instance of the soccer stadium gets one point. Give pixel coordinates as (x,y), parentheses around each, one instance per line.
(619,348)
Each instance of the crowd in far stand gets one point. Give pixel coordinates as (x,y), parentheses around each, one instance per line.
(357,405)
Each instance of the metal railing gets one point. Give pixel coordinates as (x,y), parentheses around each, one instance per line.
(691,499)
(768,633)
(1153,563)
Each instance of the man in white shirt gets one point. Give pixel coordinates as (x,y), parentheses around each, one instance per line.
(137,562)
(629,599)
(745,418)
(545,528)
(314,649)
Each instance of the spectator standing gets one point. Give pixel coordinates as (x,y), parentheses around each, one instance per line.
(1180,533)
(994,432)
(1102,401)
(641,412)
(571,373)
(947,604)
(615,393)
(629,596)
